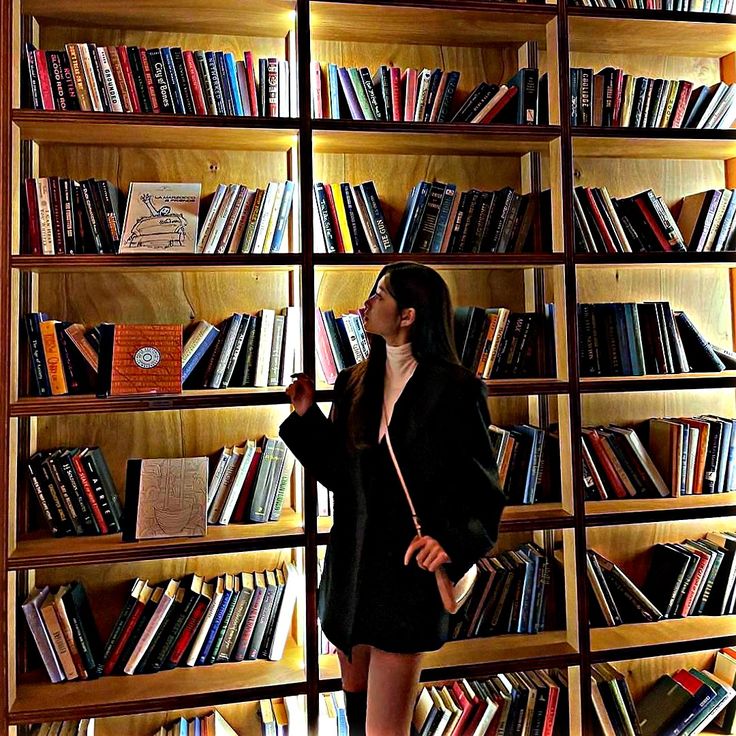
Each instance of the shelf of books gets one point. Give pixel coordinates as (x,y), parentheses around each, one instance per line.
(197,202)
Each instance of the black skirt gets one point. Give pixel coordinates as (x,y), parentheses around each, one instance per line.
(398,608)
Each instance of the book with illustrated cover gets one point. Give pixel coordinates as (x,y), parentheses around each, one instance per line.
(140,359)
(161,218)
(166,497)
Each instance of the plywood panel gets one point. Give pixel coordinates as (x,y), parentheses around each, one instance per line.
(160,298)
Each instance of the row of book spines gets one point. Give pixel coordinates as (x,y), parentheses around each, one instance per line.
(161,80)
(75,491)
(519,454)
(681,6)
(340,341)
(611,98)
(82,727)
(64,216)
(242,220)
(350,220)
(496,705)
(498,343)
(510,595)
(250,482)
(628,339)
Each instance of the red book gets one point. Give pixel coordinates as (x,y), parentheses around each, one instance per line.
(44,81)
(410,94)
(600,222)
(395,77)
(148,77)
(466,705)
(112,660)
(129,80)
(90,494)
(33,228)
(703,560)
(507,97)
(330,197)
(241,508)
(618,88)
(251,75)
(683,97)
(688,681)
(653,224)
(194,82)
(324,352)
(182,643)
(553,698)
(596,444)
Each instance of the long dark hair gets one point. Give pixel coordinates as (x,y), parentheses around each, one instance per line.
(411,285)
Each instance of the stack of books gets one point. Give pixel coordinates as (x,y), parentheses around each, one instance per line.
(165,80)
(510,595)
(341,341)
(627,339)
(75,491)
(519,453)
(686,702)
(85,727)
(174,623)
(680,6)
(250,482)
(213,724)
(504,704)
(612,98)
(287,716)
(693,578)
(498,343)
(425,96)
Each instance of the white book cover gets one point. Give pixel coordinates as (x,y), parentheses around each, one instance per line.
(265,338)
(290,362)
(228,476)
(161,217)
(209,617)
(296,711)
(108,78)
(209,218)
(217,475)
(264,221)
(236,487)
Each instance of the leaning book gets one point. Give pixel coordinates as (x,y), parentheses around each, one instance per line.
(161,218)
(166,497)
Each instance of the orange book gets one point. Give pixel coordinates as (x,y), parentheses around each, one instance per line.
(141,359)
(52,355)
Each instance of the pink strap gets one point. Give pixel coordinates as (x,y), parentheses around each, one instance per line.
(414,517)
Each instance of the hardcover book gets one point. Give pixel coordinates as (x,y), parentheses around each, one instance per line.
(166,497)
(161,218)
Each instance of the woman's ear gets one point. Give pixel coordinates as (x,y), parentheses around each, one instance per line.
(408,316)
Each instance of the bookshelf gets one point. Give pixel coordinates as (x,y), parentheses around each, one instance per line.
(484,40)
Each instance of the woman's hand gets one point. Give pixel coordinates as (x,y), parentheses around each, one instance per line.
(429,552)
(301,392)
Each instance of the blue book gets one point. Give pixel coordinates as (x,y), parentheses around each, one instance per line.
(416,216)
(633,330)
(232,76)
(283,217)
(333,86)
(224,83)
(622,336)
(173,80)
(212,633)
(406,217)
(197,727)
(443,218)
(183,726)
(199,353)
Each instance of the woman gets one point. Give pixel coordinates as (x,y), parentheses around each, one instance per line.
(378,598)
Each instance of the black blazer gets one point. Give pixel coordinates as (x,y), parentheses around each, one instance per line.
(439,431)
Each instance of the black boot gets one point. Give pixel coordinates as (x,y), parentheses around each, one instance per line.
(355,709)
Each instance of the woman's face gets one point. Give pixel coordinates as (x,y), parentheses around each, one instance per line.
(381,312)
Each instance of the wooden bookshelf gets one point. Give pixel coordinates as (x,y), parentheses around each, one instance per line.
(483,39)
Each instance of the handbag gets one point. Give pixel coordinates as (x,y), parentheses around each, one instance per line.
(453,594)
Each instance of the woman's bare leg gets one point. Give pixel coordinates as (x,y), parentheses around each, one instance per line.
(355,685)
(392,684)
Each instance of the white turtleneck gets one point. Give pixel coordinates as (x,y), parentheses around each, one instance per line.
(400,366)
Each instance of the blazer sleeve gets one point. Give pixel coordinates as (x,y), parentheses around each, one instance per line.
(470,508)
(318,442)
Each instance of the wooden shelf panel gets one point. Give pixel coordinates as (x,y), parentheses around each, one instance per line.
(655,260)
(157,131)
(199,399)
(638,511)
(38,551)
(493,654)
(443,23)
(155,262)
(459,260)
(669,631)
(498,387)
(609,30)
(450,139)
(38,700)
(656,143)
(227,17)
(672,382)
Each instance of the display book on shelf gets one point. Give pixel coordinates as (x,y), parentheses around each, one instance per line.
(568,244)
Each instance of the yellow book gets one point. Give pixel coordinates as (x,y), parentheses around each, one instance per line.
(52,357)
(342,218)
